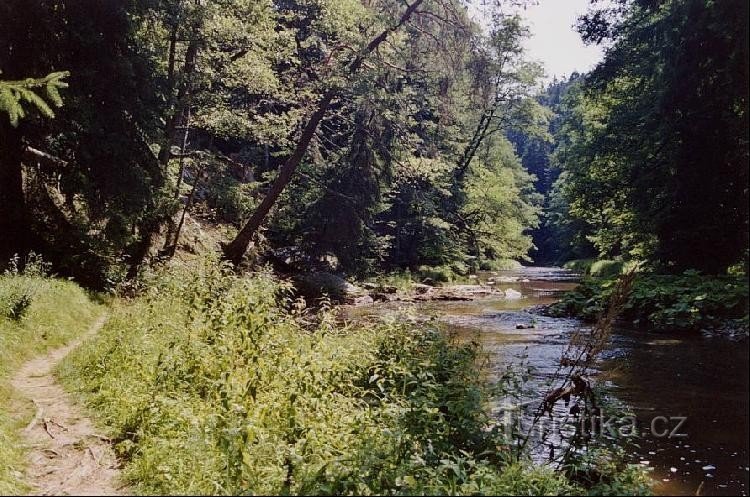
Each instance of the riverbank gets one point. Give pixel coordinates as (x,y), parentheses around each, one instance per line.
(213,383)
(402,287)
(659,377)
(686,302)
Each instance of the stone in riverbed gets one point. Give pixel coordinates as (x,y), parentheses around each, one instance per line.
(362,300)
(512,294)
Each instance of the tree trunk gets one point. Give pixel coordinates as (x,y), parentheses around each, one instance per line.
(235,250)
(170,241)
(150,228)
(181,102)
(188,202)
(14,227)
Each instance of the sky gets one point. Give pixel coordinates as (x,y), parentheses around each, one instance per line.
(554,42)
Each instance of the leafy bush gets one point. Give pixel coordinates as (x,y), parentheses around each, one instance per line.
(606,268)
(582,266)
(667,302)
(438,274)
(231,201)
(14,302)
(599,268)
(499,264)
(212,383)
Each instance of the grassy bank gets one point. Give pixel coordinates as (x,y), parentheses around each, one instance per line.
(686,302)
(216,384)
(36,314)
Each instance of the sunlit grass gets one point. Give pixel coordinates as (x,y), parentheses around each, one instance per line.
(57,312)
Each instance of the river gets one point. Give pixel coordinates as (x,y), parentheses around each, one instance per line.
(689,393)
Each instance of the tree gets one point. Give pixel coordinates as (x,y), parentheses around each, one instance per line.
(235,250)
(85,215)
(657,148)
(13,94)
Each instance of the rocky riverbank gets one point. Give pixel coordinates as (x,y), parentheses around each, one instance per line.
(318,284)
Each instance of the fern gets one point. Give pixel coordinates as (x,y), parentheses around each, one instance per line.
(14,93)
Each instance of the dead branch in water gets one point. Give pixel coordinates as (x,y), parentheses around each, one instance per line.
(579,356)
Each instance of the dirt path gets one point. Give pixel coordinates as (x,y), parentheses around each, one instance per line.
(66,455)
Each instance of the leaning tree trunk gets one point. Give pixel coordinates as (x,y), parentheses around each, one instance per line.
(14,226)
(235,250)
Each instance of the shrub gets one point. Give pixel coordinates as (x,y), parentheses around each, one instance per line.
(599,268)
(499,265)
(606,268)
(667,302)
(438,274)
(232,201)
(213,383)
(582,266)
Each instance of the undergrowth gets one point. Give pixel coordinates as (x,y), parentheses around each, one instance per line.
(212,383)
(686,302)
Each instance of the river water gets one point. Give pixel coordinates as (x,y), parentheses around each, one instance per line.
(689,393)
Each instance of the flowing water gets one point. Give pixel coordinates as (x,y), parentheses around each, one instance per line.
(689,393)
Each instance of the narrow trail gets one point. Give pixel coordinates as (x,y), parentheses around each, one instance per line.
(66,455)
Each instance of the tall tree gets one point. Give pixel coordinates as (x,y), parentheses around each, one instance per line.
(235,250)
(13,96)
(657,154)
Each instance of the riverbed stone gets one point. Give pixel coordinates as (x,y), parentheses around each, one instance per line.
(512,294)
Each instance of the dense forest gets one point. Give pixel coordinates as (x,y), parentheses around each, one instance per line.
(194,160)
(370,137)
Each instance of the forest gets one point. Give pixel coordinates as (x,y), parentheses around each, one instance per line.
(203,183)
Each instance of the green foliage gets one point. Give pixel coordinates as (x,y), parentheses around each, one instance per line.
(603,472)
(213,384)
(596,268)
(376,190)
(653,145)
(606,269)
(401,280)
(14,93)
(436,274)
(14,301)
(53,312)
(556,236)
(499,265)
(500,203)
(229,200)
(685,302)
(582,266)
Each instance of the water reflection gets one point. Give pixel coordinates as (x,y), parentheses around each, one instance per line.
(704,380)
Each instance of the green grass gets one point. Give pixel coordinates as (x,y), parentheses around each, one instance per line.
(211,383)
(36,314)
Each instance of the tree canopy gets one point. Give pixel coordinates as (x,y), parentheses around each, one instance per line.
(369,136)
